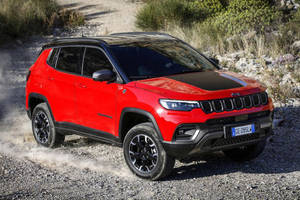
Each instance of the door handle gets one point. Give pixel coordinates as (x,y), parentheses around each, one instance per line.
(50,78)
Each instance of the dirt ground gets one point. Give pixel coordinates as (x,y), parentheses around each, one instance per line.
(86,169)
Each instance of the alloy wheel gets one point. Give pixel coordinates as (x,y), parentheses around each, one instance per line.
(41,127)
(143,153)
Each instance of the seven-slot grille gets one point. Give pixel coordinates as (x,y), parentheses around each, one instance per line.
(234,103)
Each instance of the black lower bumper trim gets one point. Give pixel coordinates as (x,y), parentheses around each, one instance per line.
(213,138)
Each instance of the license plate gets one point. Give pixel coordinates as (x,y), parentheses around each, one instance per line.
(242,130)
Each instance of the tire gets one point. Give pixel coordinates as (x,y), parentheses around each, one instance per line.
(144,154)
(246,153)
(43,127)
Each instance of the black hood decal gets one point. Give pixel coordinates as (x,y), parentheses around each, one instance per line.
(209,80)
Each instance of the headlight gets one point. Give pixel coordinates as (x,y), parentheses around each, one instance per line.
(179,105)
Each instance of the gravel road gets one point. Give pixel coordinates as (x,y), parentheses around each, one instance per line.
(85,169)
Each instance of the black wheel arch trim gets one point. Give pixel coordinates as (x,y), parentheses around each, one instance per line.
(142,112)
(41,97)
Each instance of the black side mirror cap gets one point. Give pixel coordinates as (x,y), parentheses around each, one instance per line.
(104,75)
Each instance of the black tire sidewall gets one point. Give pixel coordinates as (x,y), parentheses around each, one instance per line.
(150,132)
(52,136)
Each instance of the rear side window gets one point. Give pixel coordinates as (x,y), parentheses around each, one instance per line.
(53,57)
(70,59)
(94,60)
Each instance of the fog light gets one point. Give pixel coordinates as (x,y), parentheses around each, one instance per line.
(186,133)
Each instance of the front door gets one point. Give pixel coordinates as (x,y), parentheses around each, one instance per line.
(96,100)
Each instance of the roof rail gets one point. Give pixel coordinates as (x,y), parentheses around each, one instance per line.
(141,33)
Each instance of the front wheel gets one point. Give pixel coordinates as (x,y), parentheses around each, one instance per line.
(144,154)
(246,153)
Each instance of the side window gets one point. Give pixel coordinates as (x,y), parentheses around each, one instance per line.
(70,59)
(94,60)
(53,57)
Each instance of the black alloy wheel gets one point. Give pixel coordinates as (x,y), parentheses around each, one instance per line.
(143,153)
(41,127)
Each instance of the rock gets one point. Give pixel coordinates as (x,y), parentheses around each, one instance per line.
(287,58)
(289,4)
(236,55)
(277,122)
(296,91)
(287,79)
(296,46)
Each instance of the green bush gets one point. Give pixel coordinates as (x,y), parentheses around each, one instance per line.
(223,26)
(26,17)
(211,7)
(229,16)
(157,14)
(244,15)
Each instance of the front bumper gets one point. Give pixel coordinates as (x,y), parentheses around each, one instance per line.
(215,137)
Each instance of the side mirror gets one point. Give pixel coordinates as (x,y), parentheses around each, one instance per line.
(216,61)
(104,75)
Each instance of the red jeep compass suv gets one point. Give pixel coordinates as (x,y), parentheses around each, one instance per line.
(151,93)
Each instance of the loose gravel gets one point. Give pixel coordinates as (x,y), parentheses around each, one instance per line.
(86,169)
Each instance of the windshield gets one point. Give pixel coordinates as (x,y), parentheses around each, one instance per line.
(141,60)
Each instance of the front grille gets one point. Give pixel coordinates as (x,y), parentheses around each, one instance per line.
(228,103)
(229,141)
(235,103)
(206,106)
(248,102)
(217,105)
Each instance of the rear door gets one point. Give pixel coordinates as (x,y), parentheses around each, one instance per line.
(61,83)
(96,100)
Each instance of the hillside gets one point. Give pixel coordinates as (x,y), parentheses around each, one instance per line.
(258,38)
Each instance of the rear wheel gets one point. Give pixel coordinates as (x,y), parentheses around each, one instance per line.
(246,153)
(144,154)
(43,127)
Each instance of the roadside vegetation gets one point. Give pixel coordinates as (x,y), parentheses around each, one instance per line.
(258,28)
(223,26)
(27,17)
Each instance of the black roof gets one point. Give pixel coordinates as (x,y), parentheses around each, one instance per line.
(113,39)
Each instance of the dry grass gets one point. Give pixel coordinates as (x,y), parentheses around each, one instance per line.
(27,17)
(205,39)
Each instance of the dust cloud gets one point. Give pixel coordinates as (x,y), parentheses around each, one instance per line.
(16,139)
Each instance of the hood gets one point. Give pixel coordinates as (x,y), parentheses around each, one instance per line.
(201,85)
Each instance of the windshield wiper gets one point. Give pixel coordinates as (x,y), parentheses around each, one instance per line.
(187,71)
